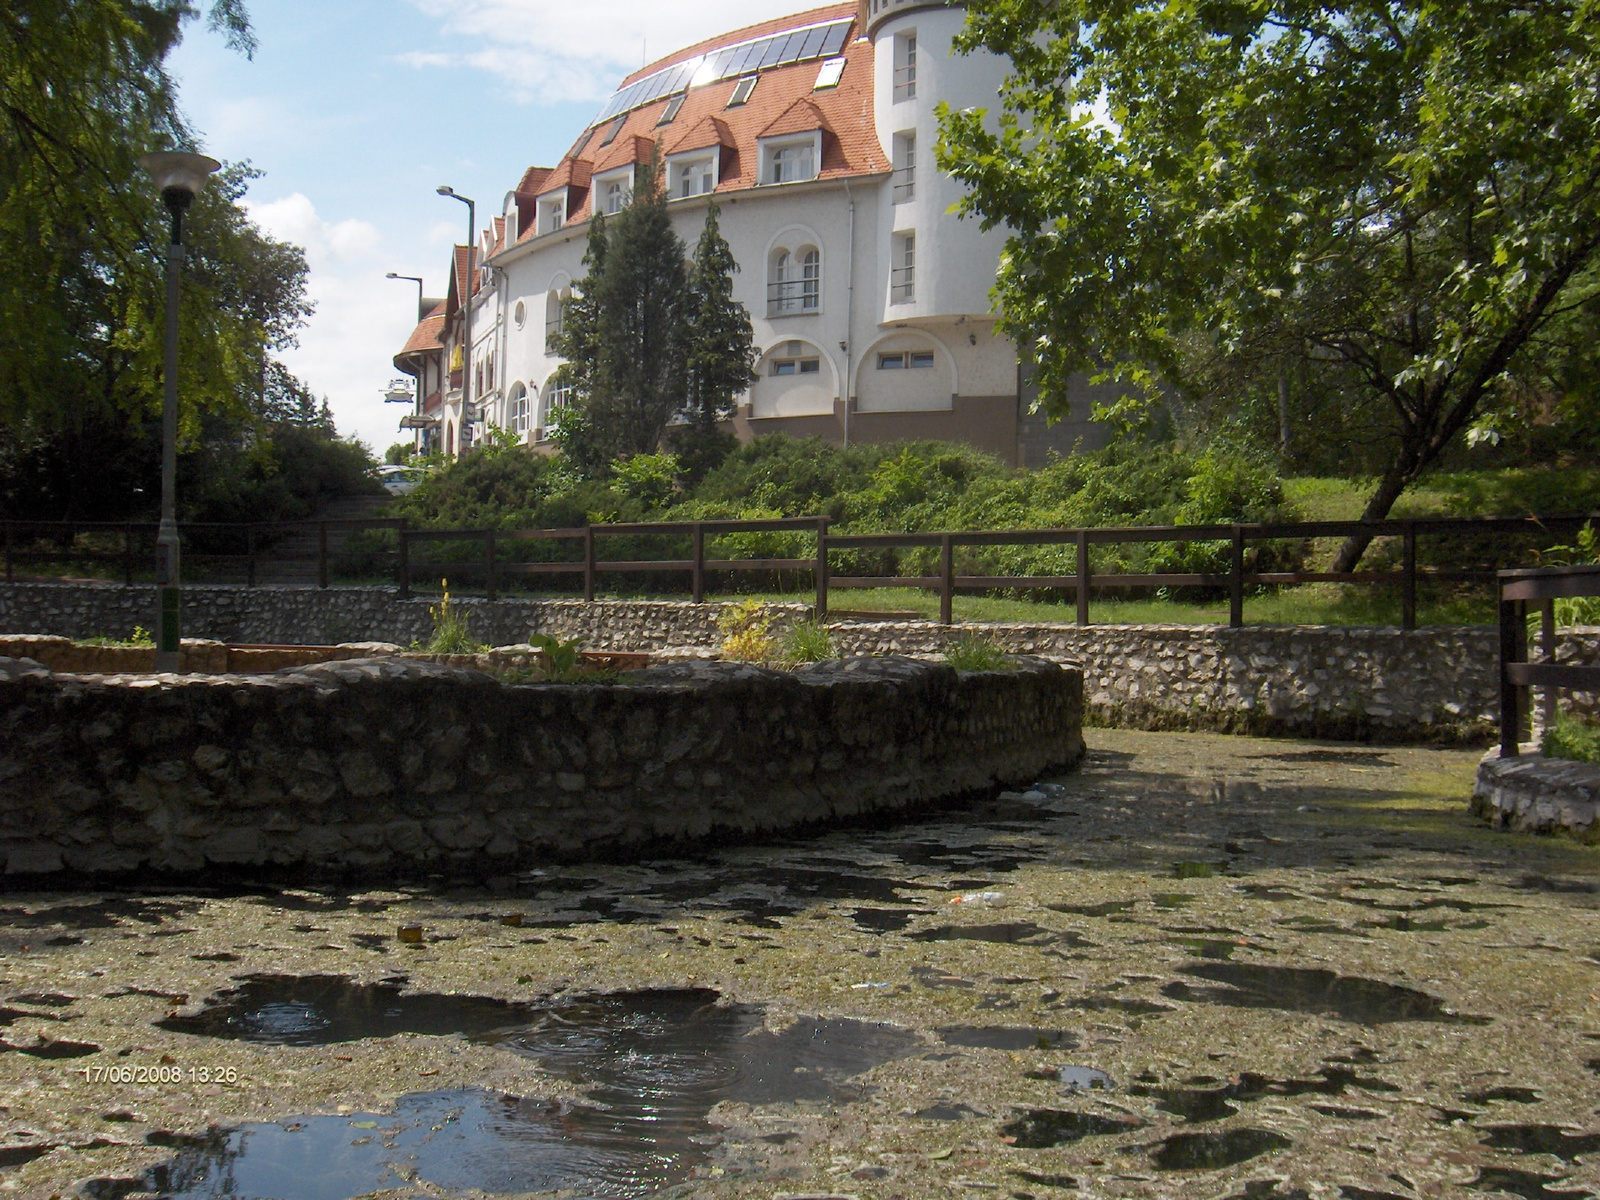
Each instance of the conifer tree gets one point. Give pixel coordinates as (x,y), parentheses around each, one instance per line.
(720,354)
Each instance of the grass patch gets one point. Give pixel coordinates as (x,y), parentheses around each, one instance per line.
(807,641)
(974,652)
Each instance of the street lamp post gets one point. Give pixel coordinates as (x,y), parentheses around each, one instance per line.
(466,349)
(416,280)
(179,175)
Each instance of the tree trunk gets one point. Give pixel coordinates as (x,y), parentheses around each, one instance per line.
(1401,474)
(1283,414)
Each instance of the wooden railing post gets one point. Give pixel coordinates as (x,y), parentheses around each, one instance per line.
(403,565)
(1510,717)
(488,564)
(1547,653)
(822,568)
(1236,579)
(588,563)
(947,578)
(322,554)
(1408,596)
(1083,577)
(698,584)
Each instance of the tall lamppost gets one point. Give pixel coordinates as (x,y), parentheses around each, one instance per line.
(416,280)
(179,175)
(466,350)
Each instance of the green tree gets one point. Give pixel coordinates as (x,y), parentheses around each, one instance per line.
(720,356)
(626,348)
(1398,195)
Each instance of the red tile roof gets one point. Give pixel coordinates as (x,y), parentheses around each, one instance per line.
(784,101)
(425,337)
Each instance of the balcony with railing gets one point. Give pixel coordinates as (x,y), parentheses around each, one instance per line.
(790,297)
(904,184)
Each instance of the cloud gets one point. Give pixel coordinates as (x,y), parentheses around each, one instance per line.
(554,50)
(294,219)
(361,318)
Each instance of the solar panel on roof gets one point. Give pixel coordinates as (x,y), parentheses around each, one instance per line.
(781,49)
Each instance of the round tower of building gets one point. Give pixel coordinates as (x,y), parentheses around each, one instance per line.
(931,274)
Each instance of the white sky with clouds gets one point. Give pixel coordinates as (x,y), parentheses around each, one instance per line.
(356,110)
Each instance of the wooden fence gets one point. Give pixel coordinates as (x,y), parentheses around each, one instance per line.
(489,565)
(1517,674)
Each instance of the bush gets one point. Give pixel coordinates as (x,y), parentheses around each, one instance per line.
(746,632)
(1572,738)
(807,642)
(969,651)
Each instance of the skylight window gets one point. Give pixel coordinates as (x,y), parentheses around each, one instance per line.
(829,76)
(614,129)
(671,111)
(742,90)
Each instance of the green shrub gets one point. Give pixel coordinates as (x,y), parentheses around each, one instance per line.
(746,632)
(562,656)
(1572,738)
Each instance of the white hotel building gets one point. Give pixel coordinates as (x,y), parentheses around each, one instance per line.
(869,298)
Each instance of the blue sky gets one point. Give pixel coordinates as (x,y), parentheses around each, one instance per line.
(356,110)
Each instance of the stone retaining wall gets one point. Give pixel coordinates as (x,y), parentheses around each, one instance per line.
(1436,684)
(377,766)
(1534,794)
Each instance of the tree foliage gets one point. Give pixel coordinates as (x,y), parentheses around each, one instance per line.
(1400,198)
(624,340)
(84,92)
(649,336)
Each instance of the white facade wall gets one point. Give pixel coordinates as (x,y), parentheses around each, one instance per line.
(850,328)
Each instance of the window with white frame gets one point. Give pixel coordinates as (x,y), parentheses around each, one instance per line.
(903,275)
(694,177)
(552,214)
(555,397)
(905,167)
(555,315)
(792,162)
(616,196)
(794,284)
(742,90)
(904,360)
(905,66)
(517,410)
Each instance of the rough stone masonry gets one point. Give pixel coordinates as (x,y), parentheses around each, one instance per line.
(381,766)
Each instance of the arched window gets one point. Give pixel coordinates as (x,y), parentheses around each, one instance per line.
(794,283)
(555,315)
(551,401)
(517,409)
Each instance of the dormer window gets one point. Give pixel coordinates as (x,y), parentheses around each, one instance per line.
(791,162)
(613,191)
(552,213)
(742,90)
(693,176)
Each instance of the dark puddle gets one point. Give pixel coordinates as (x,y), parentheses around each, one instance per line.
(1166,901)
(1212,1151)
(1045,1180)
(1085,1079)
(1525,1184)
(1349,758)
(882,920)
(1300,989)
(1200,1104)
(651,1065)
(100,914)
(1515,1095)
(1132,1007)
(1006,1037)
(937,977)
(1011,933)
(1109,909)
(1041,1127)
(54,1050)
(316,1010)
(1541,1139)
(15,1156)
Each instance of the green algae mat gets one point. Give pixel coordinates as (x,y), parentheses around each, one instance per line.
(1200,966)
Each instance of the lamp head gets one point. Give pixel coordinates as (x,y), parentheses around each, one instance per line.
(445,190)
(179,174)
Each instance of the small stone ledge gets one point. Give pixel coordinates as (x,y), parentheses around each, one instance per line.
(1534,794)
(388,766)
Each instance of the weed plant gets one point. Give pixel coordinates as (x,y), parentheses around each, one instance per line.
(746,630)
(807,642)
(451,628)
(1572,738)
(974,652)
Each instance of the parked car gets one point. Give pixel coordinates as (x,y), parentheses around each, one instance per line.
(400,480)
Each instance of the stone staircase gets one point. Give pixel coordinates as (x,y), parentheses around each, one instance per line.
(293,560)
